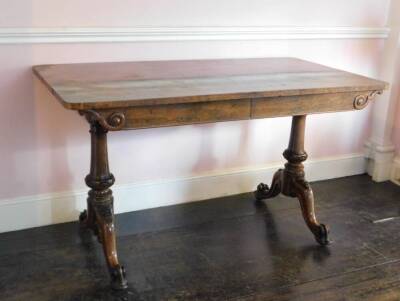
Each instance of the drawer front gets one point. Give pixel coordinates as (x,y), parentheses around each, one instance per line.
(189,113)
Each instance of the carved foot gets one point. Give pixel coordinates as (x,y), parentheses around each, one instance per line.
(83,217)
(305,195)
(322,236)
(87,223)
(118,278)
(107,237)
(264,192)
(87,217)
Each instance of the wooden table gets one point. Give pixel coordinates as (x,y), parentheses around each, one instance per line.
(135,95)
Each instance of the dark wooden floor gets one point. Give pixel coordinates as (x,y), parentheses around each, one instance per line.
(223,249)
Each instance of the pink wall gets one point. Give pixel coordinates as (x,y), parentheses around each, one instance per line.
(45,148)
(104,13)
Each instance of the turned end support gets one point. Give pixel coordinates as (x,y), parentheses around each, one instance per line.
(291,182)
(99,215)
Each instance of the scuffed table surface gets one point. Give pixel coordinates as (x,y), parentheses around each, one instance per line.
(127,84)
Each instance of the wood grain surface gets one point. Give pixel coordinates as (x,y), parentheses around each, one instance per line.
(92,86)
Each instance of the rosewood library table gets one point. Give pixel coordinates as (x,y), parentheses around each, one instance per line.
(137,95)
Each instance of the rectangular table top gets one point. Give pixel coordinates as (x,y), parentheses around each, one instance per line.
(88,86)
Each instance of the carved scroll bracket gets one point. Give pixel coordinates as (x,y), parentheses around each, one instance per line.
(362,100)
(111,122)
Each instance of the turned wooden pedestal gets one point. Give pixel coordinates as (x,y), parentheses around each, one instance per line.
(135,95)
(99,215)
(291,181)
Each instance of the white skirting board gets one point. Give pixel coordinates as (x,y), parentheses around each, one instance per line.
(39,210)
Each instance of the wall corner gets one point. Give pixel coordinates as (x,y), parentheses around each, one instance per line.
(380,160)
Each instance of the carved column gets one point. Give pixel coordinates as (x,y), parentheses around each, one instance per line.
(100,213)
(291,182)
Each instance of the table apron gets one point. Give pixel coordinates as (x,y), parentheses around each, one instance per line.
(139,117)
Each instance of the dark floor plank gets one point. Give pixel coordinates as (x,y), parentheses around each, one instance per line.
(377,283)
